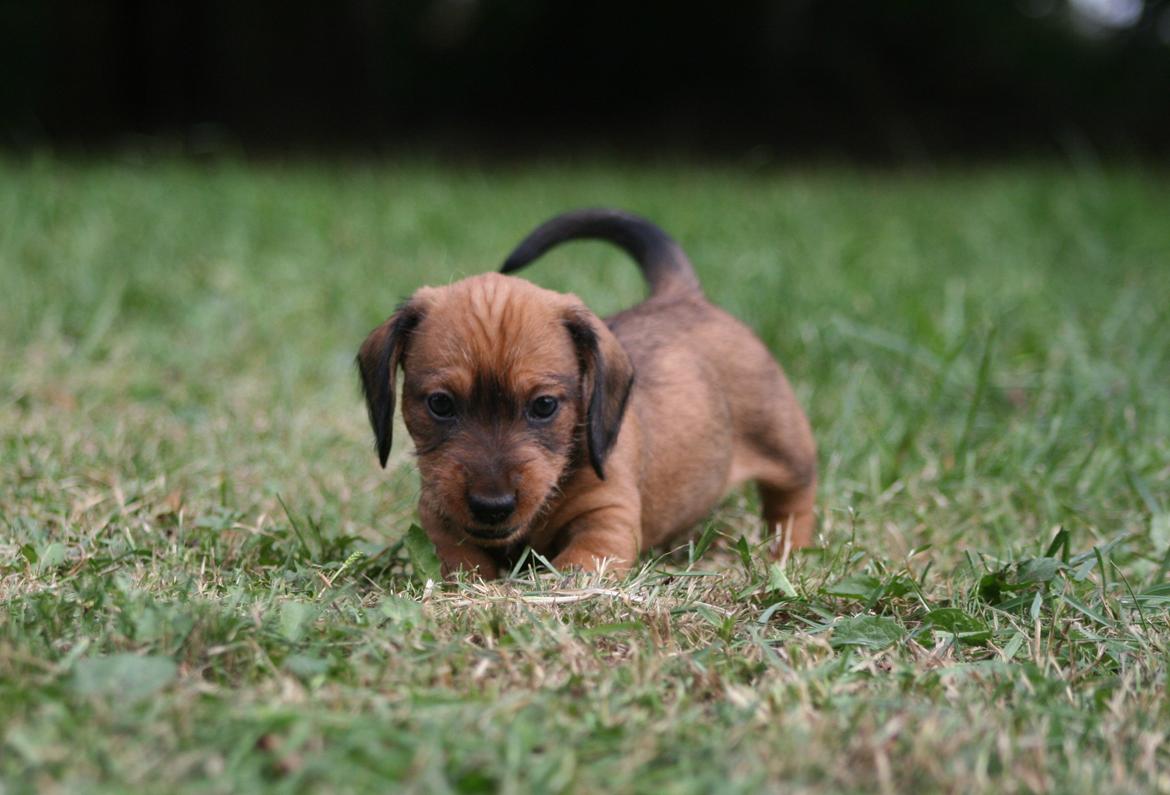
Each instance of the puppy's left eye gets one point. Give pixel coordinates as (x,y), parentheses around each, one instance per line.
(441,405)
(543,407)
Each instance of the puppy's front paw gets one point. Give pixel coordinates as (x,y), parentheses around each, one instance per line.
(464,558)
(484,571)
(585,561)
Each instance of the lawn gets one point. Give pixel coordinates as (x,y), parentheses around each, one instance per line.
(208,584)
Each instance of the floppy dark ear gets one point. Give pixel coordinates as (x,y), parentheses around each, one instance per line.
(607,376)
(378,362)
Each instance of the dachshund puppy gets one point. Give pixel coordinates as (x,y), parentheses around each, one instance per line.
(537,423)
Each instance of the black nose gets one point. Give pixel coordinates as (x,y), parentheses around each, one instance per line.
(491,509)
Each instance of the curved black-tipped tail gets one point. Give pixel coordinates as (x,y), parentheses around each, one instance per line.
(661,260)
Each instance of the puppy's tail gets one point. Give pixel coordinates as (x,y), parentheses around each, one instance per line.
(662,261)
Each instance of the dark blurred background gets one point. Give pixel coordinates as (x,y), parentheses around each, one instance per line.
(902,80)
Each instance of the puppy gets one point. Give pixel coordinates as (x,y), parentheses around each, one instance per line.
(537,423)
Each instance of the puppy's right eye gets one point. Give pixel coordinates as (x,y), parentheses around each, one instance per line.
(441,406)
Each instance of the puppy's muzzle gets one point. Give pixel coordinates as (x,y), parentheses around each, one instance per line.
(491,509)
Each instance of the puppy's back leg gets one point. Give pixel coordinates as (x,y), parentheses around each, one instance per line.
(775,448)
(781,457)
(788,511)
(774,444)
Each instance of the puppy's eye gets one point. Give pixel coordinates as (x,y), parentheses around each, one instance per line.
(441,406)
(543,407)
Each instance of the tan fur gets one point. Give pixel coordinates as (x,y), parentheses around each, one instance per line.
(709,409)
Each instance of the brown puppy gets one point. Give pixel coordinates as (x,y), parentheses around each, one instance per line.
(537,423)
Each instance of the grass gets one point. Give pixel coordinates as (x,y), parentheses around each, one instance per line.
(208,584)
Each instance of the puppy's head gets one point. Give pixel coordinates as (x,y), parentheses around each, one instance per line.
(505,386)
